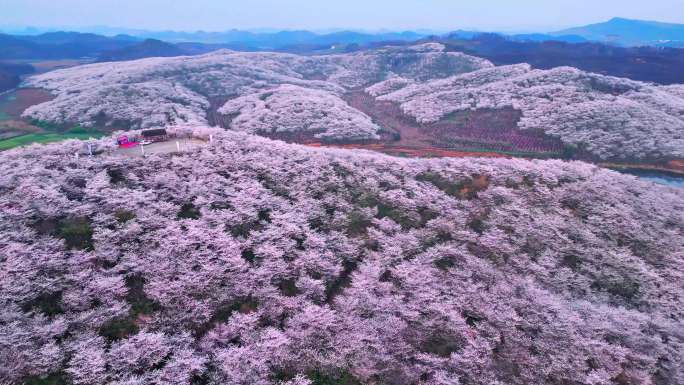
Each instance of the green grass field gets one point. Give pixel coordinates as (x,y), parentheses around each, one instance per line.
(43,138)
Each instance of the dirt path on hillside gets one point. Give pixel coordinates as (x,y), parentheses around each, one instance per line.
(410,151)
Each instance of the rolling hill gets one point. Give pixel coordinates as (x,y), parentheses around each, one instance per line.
(183,90)
(416,96)
(251,261)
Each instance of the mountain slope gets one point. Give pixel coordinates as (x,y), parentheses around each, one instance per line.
(612,118)
(293,109)
(10,74)
(14,48)
(254,261)
(629,32)
(444,99)
(148,48)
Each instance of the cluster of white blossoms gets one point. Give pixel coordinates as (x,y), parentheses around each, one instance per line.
(288,108)
(157,103)
(393,83)
(612,117)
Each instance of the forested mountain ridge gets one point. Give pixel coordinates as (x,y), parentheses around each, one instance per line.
(646,63)
(60,45)
(147,48)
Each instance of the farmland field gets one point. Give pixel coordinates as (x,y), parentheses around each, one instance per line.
(26,139)
(17,131)
(478,132)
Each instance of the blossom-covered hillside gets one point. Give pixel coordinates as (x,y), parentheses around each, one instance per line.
(250,261)
(168,91)
(613,117)
(289,109)
(514,108)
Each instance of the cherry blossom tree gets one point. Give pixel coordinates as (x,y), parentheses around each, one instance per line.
(253,261)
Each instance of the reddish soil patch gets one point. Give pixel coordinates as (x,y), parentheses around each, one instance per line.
(397,126)
(677,165)
(491,129)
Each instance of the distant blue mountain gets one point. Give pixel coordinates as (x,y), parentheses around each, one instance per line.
(60,45)
(618,31)
(532,37)
(629,32)
(281,39)
(541,37)
(62,37)
(121,44)
(69,45)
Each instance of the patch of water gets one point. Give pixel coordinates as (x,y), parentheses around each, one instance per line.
(658,177)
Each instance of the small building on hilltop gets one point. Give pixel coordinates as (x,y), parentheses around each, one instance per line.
(155,135)
(125,141)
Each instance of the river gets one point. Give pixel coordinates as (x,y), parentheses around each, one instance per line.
(658,177)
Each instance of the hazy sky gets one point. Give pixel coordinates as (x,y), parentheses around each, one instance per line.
(215,15)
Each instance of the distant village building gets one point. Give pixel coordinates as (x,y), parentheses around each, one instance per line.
(156,135)
(123,140)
